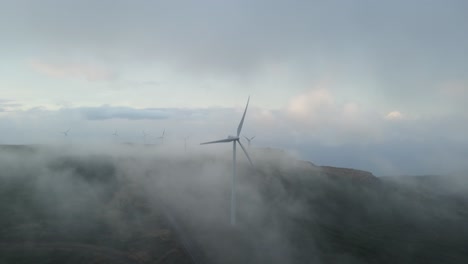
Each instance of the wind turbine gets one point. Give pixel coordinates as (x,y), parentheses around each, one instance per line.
(249,139)
(65,133)
(162,136)
(144,137)
(115,136)
(234,140)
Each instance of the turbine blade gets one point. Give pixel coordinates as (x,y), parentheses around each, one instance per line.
(218,141)
(239,128)
(253,137)
(245,151)
(247,138)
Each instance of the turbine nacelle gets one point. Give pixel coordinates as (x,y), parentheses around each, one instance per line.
(233,138)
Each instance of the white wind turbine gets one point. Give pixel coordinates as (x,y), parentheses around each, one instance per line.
(249,140)
(234,140)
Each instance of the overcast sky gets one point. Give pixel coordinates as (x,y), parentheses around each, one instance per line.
(375,85)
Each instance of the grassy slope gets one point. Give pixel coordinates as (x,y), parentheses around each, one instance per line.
(305,214)
(289,212)
(82,213)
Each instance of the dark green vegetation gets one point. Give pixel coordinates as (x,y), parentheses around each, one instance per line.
(61,206)
(77,209)
(295,212)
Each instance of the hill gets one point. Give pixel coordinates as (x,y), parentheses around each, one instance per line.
(106,205)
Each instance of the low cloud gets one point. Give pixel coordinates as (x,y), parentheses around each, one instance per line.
(7,105)
(133,84)
(318,114)
(340,134)
(311,104)
(75,70)
(394,115)
(130,113)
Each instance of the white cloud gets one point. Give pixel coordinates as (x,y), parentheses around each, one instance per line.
(317,114)
(309,105)
(394,115)
(351,109)
(9,105)
(87,71)
(340,141)
(129,113)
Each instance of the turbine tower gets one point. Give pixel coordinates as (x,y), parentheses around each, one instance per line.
(234,140)
(249,139)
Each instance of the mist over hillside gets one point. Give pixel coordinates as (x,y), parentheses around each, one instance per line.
(107,203)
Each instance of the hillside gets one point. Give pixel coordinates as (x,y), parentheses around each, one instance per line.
(105,206)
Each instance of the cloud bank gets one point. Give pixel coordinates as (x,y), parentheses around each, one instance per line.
(315,125)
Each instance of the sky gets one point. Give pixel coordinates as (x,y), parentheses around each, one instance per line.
(373,85)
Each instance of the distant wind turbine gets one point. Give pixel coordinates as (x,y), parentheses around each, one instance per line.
(185,143)
(144,136)
(115,134)
(249,140)
(234,140)
(65,133)
(162,136)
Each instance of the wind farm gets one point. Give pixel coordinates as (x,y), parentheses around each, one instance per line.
(141,205)
(192,198)
(146,196)
(253,132)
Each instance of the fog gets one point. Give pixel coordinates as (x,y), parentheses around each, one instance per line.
(289,211)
